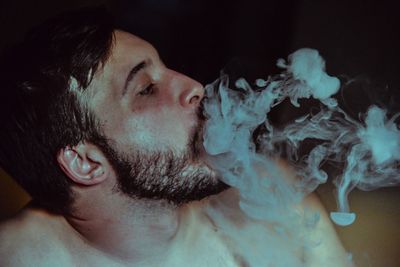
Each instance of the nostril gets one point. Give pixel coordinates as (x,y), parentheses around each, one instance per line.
(195,99)
(191,92)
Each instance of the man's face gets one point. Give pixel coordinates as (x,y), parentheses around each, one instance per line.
(150,116)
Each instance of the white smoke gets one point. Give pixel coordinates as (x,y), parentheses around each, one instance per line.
(369,149)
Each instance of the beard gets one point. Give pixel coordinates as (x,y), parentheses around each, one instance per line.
(164,175)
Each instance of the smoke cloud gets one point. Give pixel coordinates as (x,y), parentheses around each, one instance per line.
(368,148)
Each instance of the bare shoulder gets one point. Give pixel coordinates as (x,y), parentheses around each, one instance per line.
(325,247)
(30,238)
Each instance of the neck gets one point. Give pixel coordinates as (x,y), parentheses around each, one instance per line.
(134,231)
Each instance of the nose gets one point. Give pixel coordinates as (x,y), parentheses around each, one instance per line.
(193,94)
(190,92)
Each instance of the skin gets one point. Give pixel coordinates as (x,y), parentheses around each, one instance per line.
(108,228)
(151,120)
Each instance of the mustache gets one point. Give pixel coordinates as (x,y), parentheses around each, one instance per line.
(200,111)
(196,136)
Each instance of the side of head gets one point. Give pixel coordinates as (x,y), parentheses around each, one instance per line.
(42,100)
(82,102)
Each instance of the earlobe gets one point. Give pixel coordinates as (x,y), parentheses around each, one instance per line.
(79,166)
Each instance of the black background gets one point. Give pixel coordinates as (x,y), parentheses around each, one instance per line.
(358,39)
(200,38)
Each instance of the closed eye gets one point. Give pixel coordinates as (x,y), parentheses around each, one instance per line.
(148,90)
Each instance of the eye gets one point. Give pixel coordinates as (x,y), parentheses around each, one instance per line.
(148,90)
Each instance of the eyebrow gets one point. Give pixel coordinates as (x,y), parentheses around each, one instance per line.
(132,74)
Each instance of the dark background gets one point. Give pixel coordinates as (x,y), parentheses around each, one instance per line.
(358,39)
(201,37)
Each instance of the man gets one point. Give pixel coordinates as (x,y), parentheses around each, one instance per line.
(107,140)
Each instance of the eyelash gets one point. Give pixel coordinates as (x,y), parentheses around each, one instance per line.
(148,90)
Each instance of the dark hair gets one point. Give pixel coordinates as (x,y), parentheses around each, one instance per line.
(39,112)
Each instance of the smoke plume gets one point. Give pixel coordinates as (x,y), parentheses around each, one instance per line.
(368,148)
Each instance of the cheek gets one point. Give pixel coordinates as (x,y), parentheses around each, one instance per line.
(160,130)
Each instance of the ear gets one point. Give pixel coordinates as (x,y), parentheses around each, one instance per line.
(84,164)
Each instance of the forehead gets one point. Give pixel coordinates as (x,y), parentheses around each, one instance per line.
(128,49)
